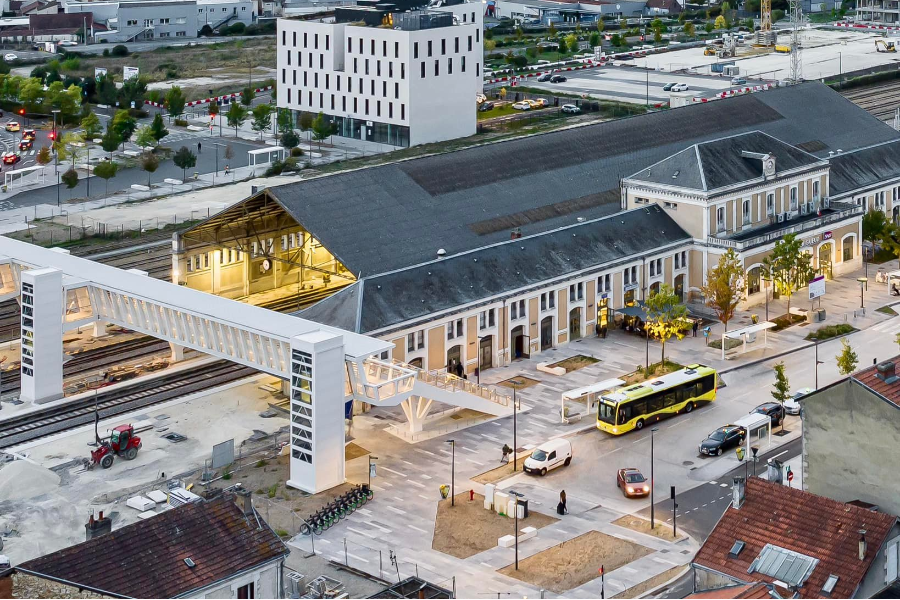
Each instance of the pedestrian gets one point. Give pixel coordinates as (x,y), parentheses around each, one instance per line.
(696,327)
(199,147)
(561,507)
(459,369)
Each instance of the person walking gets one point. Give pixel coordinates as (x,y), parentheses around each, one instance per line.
(561,507)
(199,147)
(695,327)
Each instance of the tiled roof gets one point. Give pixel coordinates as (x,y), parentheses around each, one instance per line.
(146,559)
(890,391)
(802,522)
(748,591)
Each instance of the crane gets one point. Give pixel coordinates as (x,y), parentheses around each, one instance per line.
(765,36)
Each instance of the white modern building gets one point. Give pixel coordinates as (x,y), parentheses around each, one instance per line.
(394,78)
(218,13)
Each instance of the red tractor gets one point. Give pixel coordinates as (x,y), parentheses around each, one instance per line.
(122,442)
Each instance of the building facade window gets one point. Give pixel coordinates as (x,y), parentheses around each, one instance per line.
(770,205)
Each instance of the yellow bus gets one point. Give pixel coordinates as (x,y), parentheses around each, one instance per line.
(635,406)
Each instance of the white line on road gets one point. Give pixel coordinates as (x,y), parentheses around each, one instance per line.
(416,528)
(351,555)
(779,454)
(396,472)
(396,510)
(416,483)
(480,464)
(423,497)
(368,535)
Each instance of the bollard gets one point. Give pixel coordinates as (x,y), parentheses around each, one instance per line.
(346,556)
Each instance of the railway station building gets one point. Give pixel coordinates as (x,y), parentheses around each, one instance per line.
(484,255)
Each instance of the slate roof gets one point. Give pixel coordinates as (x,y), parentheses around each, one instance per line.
(863,168)
(146,559)
(802,522)
(889,391)
(471,198)
(716,164)
(380,301)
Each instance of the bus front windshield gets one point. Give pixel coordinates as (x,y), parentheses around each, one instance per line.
(606,412)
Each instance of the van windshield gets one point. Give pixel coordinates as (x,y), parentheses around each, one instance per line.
(539,455)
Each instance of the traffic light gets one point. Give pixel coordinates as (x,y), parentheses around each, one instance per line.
(52,135)
(22,111)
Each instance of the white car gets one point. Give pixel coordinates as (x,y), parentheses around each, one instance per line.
(10,57)
(680,87)
(792,406)
(571,109)
(523,105)
(66,43)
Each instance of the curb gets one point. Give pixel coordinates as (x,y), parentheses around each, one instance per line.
(666,584)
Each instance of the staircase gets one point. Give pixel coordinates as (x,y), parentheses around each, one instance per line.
(224,21)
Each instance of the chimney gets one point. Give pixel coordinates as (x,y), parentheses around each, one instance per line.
(515,234)
(886,371)
(738,492)
(244,500)
(97,527)
(862,544)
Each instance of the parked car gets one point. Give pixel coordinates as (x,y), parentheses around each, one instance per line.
(12,126)
(722,439)
(9,57)
(632,483)
(680,87)
(549,455)
(486,106)
(668,87)
(29,134)
(571,109)
(545,77)
(522,105)
(11,158)
(558,79)
(772,409)
(792,406)
(66,43)
(738,81)
(539,103)
(26,144)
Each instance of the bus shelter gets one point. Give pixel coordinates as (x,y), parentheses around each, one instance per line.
(264,156)
(893,278)
(747,335)
(588,394)
(758,427)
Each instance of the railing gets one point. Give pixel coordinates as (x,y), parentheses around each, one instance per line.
(840,215)
(386,378)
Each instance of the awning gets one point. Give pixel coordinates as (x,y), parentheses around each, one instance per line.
(633,311)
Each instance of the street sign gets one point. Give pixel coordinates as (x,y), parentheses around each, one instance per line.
(99,72)
(372,470)
(130,73)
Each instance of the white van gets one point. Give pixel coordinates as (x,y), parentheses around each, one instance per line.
(549,455)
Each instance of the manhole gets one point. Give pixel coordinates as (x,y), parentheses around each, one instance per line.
(687,463)
(174,437)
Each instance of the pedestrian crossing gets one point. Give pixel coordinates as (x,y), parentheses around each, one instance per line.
(890,326)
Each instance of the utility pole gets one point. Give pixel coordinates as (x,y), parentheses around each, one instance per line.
(652,482)
(796,9)
(514,427)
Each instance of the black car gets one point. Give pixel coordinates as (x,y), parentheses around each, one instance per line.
(773,409)
(545,77)
(723,438)
(557,79)
(486,106)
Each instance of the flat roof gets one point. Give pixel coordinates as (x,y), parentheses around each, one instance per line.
(593,388)
(230,312)
(660,383)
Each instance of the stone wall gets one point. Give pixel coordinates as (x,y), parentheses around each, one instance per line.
(22,585)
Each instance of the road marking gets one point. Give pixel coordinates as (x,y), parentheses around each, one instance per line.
(416,528)
(397,510)
(407,462)
(779,454)
(714,482)
(480,464)
(368,535)
(416,483)
(424,476)
(351,555)
(676,424)
(424,451)
(396,472)
(423,497)
(723,485)
(705,505)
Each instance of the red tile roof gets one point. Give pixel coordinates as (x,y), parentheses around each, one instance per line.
(146,559)
(869,378)
(738,592)
(802,522)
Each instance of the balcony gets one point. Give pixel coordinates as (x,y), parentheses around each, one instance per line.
(798,223)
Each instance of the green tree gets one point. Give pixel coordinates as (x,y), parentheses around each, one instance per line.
(709,27)
(31,94)
(594,39)
(788,266)
(290,139)
(247,96)
(847,359)
(306,121)
(666,317)
(321,129)
(689,29)
(70,178)
(750,24)
(615,39)
(489,44)
(184,159)
(69,146)
(720,23)
(144,137)
(175,102)
(532,51)
(623,24)
(551,30)
(124,125)
(572,42)
(106,90)
(150,164)
(213,108)
(91,126)
(781,391)
(284,119)
(600,25)
(563,48)
(110,141)
(724,286)
(44,157)
(236,116)
(133,90)
(106,170)
(158,128)
(657,36)
(874,225)
(262,118)
(519,34)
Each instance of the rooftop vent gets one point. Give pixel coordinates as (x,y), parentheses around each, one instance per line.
(830,583)
(190,563)
(736,549)
(441,252)
(885,372)
(863,545)
(738,491)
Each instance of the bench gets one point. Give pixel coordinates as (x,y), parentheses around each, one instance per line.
(572,417)
(508,541)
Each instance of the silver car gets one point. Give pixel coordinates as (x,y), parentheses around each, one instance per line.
(792,406)
(571,109)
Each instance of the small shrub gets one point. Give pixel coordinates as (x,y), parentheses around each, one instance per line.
(181,122)
(296,152)
(273,490)
(830,331)
(137,113)
(282,533)
(106,52)
(120,50)
(262,463)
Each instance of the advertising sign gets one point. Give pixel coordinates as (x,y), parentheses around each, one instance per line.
(130,73)
(817,287)
(99,72)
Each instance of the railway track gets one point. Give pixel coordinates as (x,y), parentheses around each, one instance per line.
(880,100)
(19,429)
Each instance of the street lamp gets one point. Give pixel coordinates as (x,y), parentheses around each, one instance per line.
(452,472)
(56,154)
(767,280)
(652,482)
(818,362)
(862,291)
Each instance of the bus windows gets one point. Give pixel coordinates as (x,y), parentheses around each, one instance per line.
(708,383)
(670,399)
(606,412)
(655,403)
